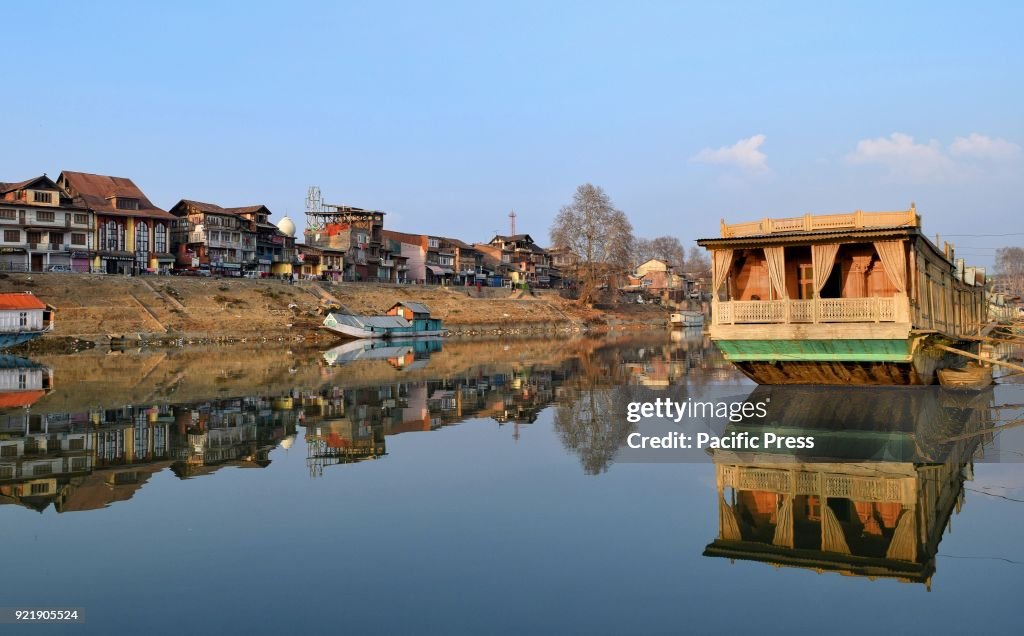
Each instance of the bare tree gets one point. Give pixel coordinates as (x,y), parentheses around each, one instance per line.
(697,263)
(1010,268)
(598,233)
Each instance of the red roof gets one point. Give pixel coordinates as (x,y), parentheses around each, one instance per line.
(98,192)
(19,398)
(20,300)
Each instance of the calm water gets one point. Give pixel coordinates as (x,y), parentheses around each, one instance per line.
(481,487)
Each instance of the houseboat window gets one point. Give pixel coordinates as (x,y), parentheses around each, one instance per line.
(806,282)
(22,380)
(22,319)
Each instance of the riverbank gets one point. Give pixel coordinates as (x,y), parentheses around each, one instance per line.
(167,310)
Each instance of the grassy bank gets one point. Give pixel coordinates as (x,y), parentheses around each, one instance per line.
(96,308)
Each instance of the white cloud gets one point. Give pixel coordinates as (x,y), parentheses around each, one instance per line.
(744,154)
(982,147)
(907,160)
(904,158)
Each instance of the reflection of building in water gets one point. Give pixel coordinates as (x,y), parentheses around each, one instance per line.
(345,425)
(870,515)
(90,459)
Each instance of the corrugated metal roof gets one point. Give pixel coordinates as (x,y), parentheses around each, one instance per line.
(361,322)
(416,308)
(20,300)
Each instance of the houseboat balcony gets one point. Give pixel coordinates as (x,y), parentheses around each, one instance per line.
(817,310)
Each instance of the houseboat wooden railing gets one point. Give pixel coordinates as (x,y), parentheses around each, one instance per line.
(819,222)
(840,298)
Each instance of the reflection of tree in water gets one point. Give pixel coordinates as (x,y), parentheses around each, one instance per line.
(591,421)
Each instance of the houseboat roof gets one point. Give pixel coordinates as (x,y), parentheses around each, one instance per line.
(20,300)
(416,308)
(383,322)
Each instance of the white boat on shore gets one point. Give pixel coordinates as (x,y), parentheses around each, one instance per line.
(402,320)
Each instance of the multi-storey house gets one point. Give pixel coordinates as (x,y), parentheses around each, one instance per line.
(132,235)
(205,234)
(42,229)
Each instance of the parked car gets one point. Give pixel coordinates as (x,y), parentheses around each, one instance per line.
(58,268)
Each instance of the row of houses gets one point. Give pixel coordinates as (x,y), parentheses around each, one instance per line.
(96,223)
(104,224)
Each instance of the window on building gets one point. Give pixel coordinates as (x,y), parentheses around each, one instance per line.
(76,443)
(40,488)
(78,238)
(40,469)
(34,237)
(8,214)
(433,242)
(160,238)
(78,464)
(12,236)
(56,238)
(141,238)
(6,472)
(22,319)
(42,197)
(81,219)
(126,203)
(45,217)
(9,450)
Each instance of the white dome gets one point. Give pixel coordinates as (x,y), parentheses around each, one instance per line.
(287,226)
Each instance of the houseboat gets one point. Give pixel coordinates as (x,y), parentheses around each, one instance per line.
(22,318)
(402,320)
(857,298)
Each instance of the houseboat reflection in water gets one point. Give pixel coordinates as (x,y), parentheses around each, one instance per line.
(872,498)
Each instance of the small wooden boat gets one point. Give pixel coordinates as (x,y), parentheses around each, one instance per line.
(973,377)
(686,319)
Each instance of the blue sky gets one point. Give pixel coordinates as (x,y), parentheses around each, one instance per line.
(448,115)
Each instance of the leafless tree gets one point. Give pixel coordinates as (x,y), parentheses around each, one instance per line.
(1010,268)
(598,233)
(666,248)
(697,263)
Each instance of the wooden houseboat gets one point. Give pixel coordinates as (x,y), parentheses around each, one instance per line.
(402,320)
(858,298)
(22,318)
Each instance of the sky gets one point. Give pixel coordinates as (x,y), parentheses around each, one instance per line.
(448,115)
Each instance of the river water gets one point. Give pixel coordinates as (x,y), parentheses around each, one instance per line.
(488,487)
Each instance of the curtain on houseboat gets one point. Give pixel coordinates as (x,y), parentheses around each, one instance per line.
(784,525)
(722,261)
(727,523)
(776,258)
(903,546)
(832,538)
(823,258)
(895,261)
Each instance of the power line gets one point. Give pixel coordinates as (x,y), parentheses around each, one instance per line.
(983,235)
